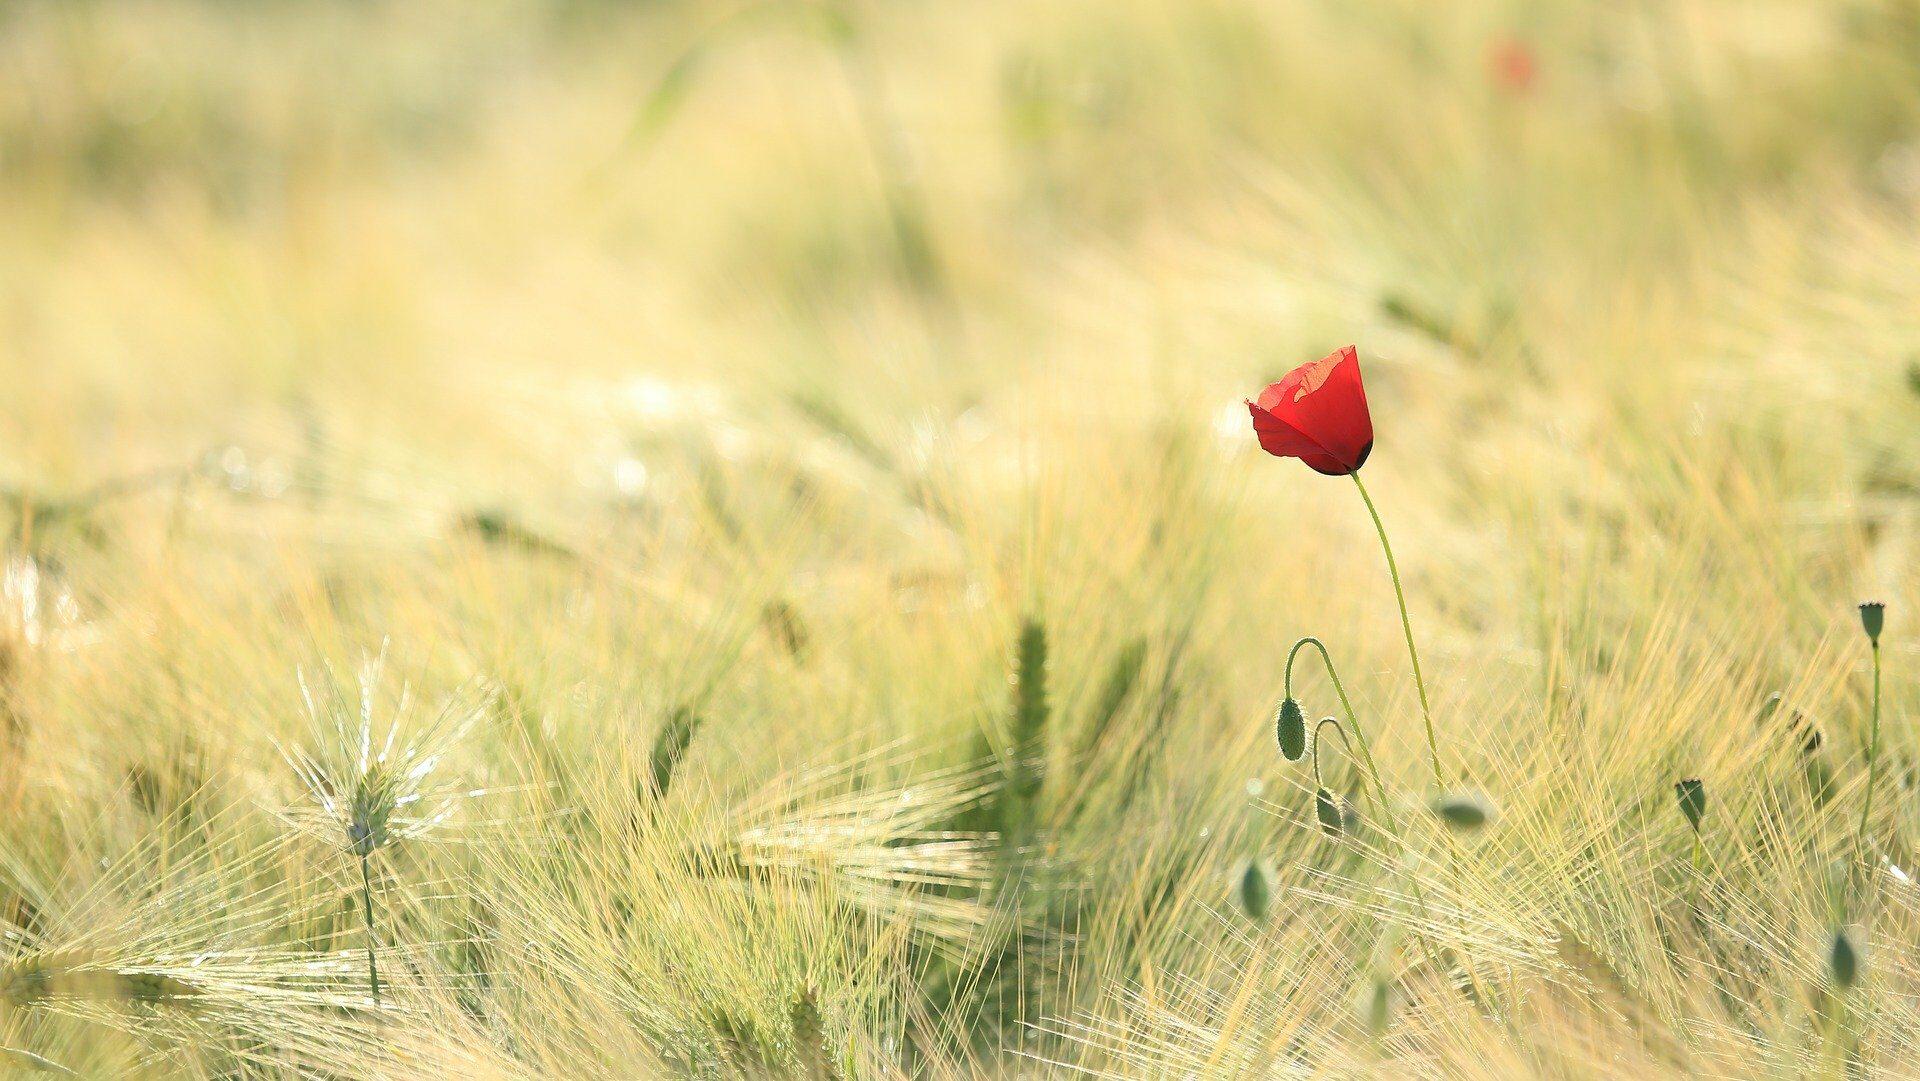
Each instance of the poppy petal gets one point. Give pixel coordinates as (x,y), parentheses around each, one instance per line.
(1318,413)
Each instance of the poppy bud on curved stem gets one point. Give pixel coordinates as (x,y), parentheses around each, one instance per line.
(1290,728)
(1317,740)
(1331,811)
(1692,795)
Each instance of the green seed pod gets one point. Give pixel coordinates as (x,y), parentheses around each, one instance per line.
(1693,800)
(1873,616)
(1843,960)
(1462,811)
(1290,726)
(1333,817)
(1253,889)
(1376,1007)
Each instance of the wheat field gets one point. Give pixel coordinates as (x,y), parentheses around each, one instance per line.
(590,539)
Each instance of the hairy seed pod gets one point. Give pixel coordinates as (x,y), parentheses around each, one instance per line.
(1327,807)
(1290,727)
(1693,800)
(1843,960)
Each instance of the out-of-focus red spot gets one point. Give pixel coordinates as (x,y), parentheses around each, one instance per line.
(1513,65)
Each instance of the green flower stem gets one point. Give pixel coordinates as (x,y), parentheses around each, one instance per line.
(1318,781)
(1406,624)
(1873,762)
(1353,723)
(1372,772)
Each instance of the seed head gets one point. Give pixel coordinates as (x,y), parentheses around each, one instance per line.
(1873,616)
(369,812)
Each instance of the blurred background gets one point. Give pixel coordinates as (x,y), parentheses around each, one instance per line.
(785,364)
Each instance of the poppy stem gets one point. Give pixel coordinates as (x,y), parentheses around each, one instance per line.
(1359,739)
(1873,761)
(1406,625)
(1318,781)
(1353,722)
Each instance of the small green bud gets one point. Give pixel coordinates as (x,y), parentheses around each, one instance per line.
(1253,889)
(1693,800)
(1462,811)
(1376,1007)
(1333,817)
(1843,960)
(1290,726)
(1873,616)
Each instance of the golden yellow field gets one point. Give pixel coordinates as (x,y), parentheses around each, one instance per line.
(592,539)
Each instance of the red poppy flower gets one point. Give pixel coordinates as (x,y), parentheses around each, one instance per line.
(1318,414)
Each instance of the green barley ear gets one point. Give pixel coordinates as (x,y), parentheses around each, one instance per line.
(1333,818)
(1030,683)
(370,811)
(1029,728)
(1692,795)
(810,1038)
(1873,617)
(1253,889)
(1290,727)
(1462,811)
(1843,961)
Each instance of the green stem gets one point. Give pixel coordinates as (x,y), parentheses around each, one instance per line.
(1318,781)
(1406,624)
(1873,762)
(366,900)
(1353,723)
(1372,772)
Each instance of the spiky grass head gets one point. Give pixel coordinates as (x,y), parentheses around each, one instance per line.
(373,779)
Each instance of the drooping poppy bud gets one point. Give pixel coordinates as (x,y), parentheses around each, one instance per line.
(1693,800)
(1318,414)
(1873,617)
(1290,727)
(1253,889)
(1462,811)
(1843,960)
(1326,806)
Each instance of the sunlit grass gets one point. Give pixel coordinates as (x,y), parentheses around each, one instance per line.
(795,460)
